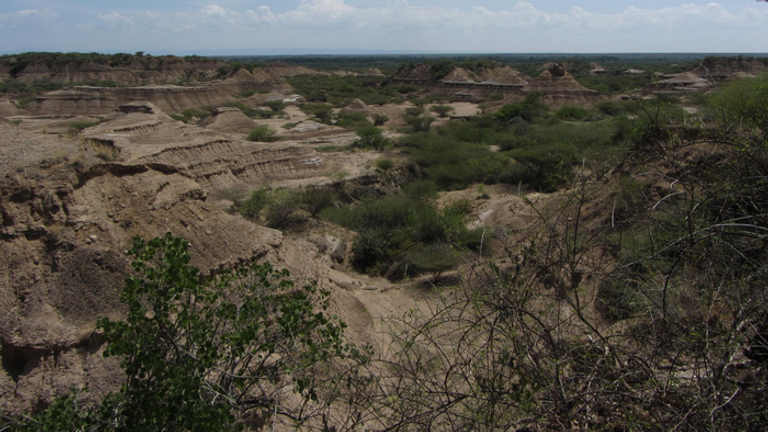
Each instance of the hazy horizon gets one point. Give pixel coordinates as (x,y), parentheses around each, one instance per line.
(383,26)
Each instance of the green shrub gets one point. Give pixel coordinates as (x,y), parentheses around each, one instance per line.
(391,226)
(462,206)
(617,108)
(372,137)
(419,124)
(322,112)
(743,103)
(352,120)
(550,165)
(380,119)
(252,206)
(254,113)
(571,113)
(316,199)
(431,258)
(420,190)
(371,250)
(332,148)
(414,111)
(384,164)
(471,132)
(199,113)
(248,93)
(452,164)
(407,88)
(442,110)
(529,109)
(79,126)
(262,134)
(516,174)
(282,205)
(276,105)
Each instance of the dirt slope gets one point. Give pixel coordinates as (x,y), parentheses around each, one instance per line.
(559,88)
(87,100)
(156,70)
(68,216)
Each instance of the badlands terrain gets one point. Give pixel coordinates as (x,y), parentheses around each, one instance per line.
(93,153)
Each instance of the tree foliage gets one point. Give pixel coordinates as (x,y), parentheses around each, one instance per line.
(442,110)
(262,133)
(203,354)
(529,109)
(371,137)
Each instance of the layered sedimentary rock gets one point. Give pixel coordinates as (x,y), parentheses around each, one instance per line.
(502,76)
(88,100)
(68,216)
(228,120)
(559,88)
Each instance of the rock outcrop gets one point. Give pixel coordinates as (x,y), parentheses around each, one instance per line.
(502,76)
(89,100)
(228,120)
(559,88)
(412,73)
(153,70)
(68,216)
(7,109)
(358,106)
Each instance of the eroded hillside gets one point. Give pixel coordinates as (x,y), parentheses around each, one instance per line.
(544,260)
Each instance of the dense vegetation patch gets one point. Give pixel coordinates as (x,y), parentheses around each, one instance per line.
(341,90)
(397,231)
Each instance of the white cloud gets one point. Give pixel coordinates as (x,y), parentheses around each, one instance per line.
(27,14)
(213,10)
(261,14)
(399,25)
(116,21)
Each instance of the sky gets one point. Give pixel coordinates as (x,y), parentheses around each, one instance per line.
(438,26)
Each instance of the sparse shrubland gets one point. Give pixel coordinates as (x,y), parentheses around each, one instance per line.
(637,301)
(277,207)
(352,120)
(322,112)
(371,137)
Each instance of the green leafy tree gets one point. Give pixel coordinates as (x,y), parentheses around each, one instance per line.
(420,124)
(529,109)
(204,354)
(196,354)
(252,206)
(372,137)
(442,110)
(282,206)
(316,199)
